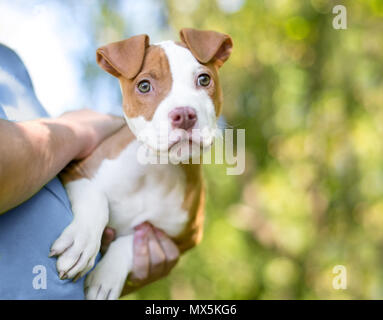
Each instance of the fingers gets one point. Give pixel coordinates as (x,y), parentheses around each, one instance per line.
(141,263)
(105,125)
(157,257)
(112,125)
(155,254)
(107,237)
(90,128)
(170,250)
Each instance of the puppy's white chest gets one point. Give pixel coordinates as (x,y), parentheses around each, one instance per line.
(138,193)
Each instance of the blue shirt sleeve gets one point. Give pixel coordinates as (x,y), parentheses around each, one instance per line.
(2,113)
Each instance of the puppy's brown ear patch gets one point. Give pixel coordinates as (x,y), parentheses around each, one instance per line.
(123,58)
(207,46)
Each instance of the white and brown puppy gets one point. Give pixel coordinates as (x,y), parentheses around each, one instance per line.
(168,82)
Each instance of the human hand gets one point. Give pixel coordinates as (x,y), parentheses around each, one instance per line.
(155,255)
(90,128)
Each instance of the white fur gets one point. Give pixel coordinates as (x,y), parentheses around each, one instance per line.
(184,69)
(138,193)
(80,242)
(107,280)
(122,195)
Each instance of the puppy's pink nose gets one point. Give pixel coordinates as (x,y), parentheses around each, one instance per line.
(183,117)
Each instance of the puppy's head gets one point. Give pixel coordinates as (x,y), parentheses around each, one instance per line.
(171,91)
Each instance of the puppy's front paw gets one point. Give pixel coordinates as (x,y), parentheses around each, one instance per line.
(76,248)
(105,282)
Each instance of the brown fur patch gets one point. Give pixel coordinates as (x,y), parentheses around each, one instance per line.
(156,70)
(194,204)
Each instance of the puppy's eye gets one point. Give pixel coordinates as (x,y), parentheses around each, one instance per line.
(144,86)
(203,80)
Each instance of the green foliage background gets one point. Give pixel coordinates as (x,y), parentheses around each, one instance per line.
(310,98)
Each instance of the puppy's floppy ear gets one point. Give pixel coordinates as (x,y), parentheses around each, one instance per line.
(123,58)
(207,46)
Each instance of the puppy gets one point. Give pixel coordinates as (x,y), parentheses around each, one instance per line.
(171,101)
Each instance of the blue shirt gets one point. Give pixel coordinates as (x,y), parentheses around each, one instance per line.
(28,231)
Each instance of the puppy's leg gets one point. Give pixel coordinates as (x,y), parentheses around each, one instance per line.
(79,243)
(107,280)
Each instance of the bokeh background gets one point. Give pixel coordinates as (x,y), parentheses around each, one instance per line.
(311,100)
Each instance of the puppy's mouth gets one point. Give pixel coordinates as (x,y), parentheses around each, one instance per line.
(189,140)
(193,139)
(179,139)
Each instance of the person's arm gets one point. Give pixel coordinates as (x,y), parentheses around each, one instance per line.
(34,152)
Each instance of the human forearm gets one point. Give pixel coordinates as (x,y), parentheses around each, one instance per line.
(33,152)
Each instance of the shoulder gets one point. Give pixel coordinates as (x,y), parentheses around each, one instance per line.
(11,63)
(17,96)
(2,113)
